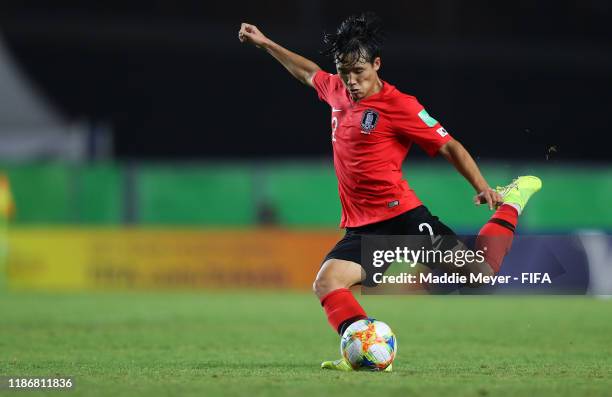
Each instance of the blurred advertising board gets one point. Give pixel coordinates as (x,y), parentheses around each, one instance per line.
(143,258)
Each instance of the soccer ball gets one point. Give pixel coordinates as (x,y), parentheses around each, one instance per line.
(368,344)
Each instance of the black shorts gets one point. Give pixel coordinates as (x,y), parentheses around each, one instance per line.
(409,223)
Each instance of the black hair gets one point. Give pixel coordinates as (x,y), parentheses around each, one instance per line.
(359,37)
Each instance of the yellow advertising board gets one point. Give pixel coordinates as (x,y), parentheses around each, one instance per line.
(143,258)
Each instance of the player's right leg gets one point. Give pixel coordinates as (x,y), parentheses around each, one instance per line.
(336,274)
(331,286)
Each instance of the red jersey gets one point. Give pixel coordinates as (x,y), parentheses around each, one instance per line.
(371,139)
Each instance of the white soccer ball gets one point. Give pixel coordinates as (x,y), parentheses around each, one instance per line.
(368,344)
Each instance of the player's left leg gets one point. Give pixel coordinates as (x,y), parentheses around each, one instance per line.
(497,234)
(495,237)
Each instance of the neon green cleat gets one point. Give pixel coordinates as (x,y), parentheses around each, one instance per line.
(520,191)
(343,365)
(338,365)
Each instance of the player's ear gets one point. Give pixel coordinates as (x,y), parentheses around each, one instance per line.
(376,64)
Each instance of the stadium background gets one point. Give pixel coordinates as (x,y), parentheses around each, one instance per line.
(148,150)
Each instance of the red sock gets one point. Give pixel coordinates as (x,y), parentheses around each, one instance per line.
(497,234)
(341,306)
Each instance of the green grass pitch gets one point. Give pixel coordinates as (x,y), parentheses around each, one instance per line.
(271,343)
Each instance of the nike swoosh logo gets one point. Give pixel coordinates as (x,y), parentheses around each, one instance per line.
(336,110)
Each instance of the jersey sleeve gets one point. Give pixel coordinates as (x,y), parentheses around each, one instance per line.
(418,126)
(322,82)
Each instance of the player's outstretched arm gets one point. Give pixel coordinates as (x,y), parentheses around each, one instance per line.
(459,157)
(299,67)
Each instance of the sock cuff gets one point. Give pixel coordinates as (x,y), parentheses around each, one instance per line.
(503,223)
(506,213)
(334,293)
(347,323)
(516,207)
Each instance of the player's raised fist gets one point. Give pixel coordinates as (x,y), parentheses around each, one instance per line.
(250,34)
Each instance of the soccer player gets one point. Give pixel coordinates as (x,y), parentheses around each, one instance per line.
(373,126)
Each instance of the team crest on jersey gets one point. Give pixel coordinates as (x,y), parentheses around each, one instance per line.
(368,121)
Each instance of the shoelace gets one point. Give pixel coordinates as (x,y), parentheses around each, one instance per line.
(504,190)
